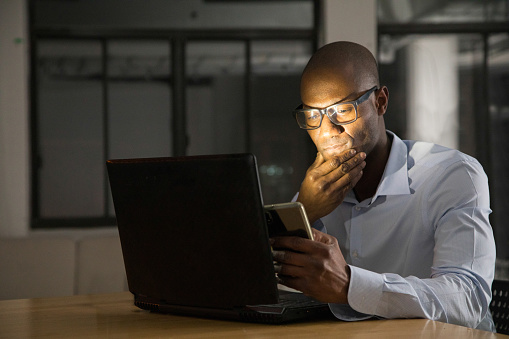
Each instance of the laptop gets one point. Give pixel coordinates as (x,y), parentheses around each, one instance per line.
(195,242)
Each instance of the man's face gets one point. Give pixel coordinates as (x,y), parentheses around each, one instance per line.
(330,139)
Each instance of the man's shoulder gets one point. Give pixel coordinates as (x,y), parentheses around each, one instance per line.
(427,154)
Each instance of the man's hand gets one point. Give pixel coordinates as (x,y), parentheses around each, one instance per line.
(316,268)
(327,182)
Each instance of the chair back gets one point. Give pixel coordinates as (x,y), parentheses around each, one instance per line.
(500,305)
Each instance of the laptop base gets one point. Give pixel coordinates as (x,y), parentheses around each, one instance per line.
(293,307)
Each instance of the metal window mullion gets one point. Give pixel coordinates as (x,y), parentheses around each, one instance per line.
(318,19)
(247,95)
(105,113)
(483,119)
(485,148)
(442,28)
(36,163)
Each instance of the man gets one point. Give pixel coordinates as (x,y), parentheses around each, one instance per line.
(404,224)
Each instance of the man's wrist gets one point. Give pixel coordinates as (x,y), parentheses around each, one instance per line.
(347,286)
(343,289)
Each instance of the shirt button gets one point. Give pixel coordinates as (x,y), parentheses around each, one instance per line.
(357,208)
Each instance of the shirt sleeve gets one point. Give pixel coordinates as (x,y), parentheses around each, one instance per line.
(459,288)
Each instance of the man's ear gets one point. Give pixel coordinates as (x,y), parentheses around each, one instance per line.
(382,100)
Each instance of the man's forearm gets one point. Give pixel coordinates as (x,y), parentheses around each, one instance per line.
(453,297)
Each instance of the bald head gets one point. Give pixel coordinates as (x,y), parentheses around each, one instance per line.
(343,63)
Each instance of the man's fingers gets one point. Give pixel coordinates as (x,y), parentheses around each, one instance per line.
(344,162)
(288,281)
(336,162)
(295,244)
(346,155)
(289,270)
(319,160)
(346,181)
(348,165)
(322,237)
(357,177)
(323,167)
(345,177)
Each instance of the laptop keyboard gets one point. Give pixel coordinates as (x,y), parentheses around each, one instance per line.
(293,300)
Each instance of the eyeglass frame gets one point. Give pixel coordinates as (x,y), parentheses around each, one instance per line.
(323,111)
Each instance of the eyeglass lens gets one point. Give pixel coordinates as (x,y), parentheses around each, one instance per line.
(338,114)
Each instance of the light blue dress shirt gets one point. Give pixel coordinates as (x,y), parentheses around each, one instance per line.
(422,246)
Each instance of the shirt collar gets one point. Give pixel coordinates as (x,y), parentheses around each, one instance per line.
(395,177)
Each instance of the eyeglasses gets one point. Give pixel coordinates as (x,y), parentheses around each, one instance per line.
(342,113)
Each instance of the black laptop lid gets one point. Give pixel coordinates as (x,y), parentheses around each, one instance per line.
(193,230)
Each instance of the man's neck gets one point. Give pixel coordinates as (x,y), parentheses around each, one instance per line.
(375,166)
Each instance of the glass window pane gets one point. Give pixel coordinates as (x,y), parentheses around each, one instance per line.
(445,11)
(284,151)
(139,94)
(215,104)
(70,129)
(498,68)
(434,81)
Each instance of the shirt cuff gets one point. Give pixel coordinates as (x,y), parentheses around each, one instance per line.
(365,290)
(346,313)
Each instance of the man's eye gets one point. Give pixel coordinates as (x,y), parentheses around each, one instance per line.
(314,116)
(344,110)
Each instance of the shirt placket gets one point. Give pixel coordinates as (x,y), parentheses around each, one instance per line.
(356,234)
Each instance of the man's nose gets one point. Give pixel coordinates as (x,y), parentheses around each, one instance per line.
(329,128)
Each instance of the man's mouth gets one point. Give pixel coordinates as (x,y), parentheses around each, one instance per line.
(335,146)
(333,150)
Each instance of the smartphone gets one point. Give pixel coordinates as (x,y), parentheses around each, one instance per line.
(287,219)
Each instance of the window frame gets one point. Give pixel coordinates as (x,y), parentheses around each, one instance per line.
(177,38)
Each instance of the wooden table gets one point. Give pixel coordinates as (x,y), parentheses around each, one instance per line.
(115,316)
